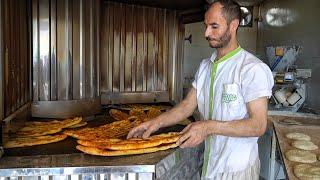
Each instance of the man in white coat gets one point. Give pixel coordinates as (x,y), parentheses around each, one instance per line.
(231,90)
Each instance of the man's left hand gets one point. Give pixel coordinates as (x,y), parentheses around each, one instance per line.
(194,134)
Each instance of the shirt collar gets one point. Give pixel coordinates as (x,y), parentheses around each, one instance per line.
(225,57)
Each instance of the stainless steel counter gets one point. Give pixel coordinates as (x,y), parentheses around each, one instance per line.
(171,164)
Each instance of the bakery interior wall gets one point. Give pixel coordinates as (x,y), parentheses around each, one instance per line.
(293,22)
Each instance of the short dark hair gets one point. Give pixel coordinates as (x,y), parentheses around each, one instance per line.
(231,9)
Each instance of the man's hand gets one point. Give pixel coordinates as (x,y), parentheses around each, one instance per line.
(144,130)
(193,134)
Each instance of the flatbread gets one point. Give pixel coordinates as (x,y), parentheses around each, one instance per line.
(133,143)
(304,145)
(301,156)
(101,152)
(81,124)
(153,112)
(307,172)
(34,128)
(37,132)
(298,136)
(31,141)
(113,130)
(32,125)
(138,113)
(118,115)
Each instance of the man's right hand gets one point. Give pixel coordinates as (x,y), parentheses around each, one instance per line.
(144,130)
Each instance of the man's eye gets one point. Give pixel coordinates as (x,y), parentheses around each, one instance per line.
(214,26)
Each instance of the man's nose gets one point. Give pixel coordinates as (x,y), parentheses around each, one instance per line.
(207,32)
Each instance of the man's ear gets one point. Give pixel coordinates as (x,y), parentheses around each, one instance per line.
(234,25)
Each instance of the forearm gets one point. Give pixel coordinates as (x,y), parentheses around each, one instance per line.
(180,111)
(176,114)
(253,126)
(237,128)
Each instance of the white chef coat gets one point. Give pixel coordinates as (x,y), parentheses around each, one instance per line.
(238,78)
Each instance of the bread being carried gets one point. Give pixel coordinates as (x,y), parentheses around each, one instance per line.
(117,147)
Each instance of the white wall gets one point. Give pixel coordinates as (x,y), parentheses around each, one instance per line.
(196,51)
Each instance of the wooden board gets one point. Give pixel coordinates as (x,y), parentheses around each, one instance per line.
(285,144)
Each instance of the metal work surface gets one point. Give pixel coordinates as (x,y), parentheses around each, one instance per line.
(62,160)
(162,163)
(285,144)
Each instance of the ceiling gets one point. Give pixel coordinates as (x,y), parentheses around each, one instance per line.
(181,4)
(168,4)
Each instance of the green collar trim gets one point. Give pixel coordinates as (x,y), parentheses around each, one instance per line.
(229,55)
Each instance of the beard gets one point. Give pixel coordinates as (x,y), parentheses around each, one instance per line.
(221,41)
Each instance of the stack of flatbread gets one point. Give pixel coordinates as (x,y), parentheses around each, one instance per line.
(36,133)
(118,147)
(144,113)
(115,129)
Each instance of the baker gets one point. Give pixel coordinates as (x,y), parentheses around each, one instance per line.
(231,91)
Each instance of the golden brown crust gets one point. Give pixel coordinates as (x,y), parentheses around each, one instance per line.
(133,143)
(113,130)
(81,124)
(118,115)
(33,129)
(31,141)
(138,113)
(101,152)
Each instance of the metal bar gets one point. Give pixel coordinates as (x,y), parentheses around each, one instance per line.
(134,48)
(18,64)
(165,51)
(13,60)
(35,50)
(65,108)
(53,50)
(116,49)
(87,48)
(145,49)
(111,47)
(122,48)
(128,49)
(92,60)
(273,155)
(160,69)
(150,49)
(24,52)
(82,50)
(64,76)
(17,112)
(97,43)
(75,170)
(1,63)
(44,46)
(134,97)
(76,50)
(140,48)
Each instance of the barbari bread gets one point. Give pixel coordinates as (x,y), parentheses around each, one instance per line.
(33,128)
(133,143)
(118,115)
(113,130)
(31,141)
(102,152)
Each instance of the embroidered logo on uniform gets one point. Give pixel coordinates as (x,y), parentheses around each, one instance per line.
(227,98)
